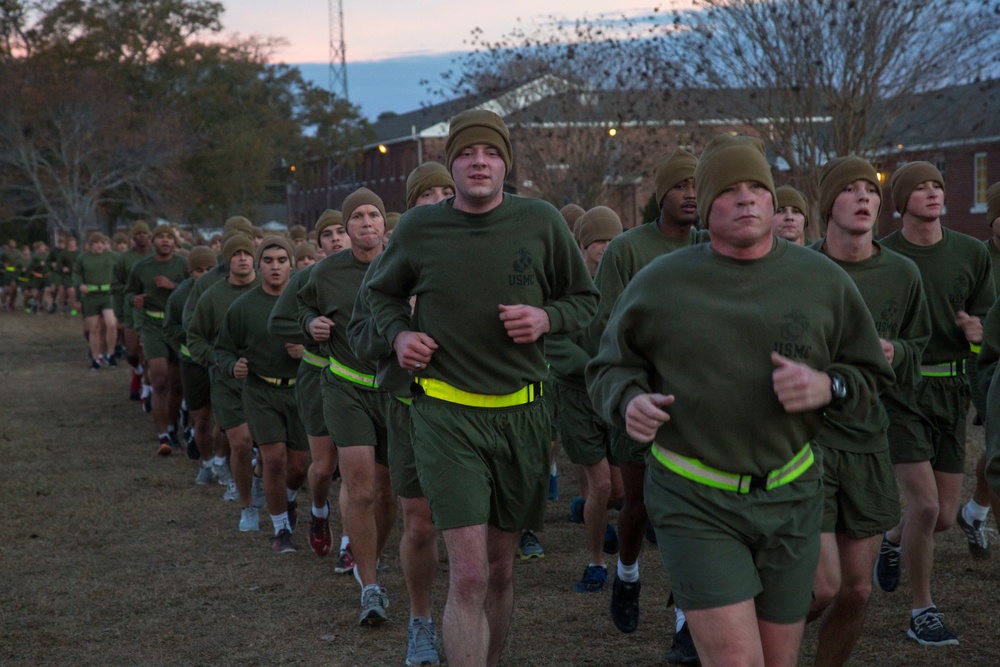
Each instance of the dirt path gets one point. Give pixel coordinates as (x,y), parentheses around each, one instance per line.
(111,556)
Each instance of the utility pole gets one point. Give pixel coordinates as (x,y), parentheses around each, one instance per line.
(338,54)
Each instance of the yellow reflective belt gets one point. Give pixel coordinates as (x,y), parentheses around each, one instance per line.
(948,370)
(975,348)
(185,351)
(99,288)
(314,359)
(155,314)
(697,471)
(351,375)
(445,392)
(277,382)
(403,400)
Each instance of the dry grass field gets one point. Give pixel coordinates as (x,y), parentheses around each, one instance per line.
(112,556)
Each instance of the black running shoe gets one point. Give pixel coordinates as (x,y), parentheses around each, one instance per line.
(625,604)
(682,650)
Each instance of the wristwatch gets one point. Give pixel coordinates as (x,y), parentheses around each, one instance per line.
(838,389)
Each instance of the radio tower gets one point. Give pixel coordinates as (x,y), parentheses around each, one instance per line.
(338,58)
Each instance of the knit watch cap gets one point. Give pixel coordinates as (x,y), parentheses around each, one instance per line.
(236,241)
(271,241)
(571,213)
(163,229)
(672,169)
(725,161)
(478,126)
(201,257)
(139,227)
(297,232)
(598,224)
(840,172)
(428,175)
(327,218)
(238,222)
(391,218)
(906,179)
(359,197)
(305,250)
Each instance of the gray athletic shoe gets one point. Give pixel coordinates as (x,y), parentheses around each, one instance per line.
(205,477)
(249,520)
(372,606)
(231,494)
(976,535)
(257,492)
(420,640)
(530,547)
(222,473)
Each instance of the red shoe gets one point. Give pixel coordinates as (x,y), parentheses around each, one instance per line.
(345,561)
(320,539)
(134,387)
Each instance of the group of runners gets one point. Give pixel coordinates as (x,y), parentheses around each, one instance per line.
(754,407)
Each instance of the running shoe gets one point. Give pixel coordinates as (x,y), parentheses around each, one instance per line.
(164,449)
(975,533)
(530,547)
(135,386)
(682,650)
(94,365)
(886,573)
(320,539)
(257,492)
(222,472)
(420,639)
(249,519)
(593,579)
(293,514)
(372,606)
(610,540)
(282,542)
(146,403)
(927,629)
(625,604)
(345,561)
(576,510)
(191,445)
(553,487)
(232,493)
(109,359)
(205,476)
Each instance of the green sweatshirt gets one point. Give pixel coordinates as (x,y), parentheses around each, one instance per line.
(172,324)
(91,269)
(710,345)
(957,276)
(244,334)
(369,345)
(462,267)
(200,287)
(207,317)
(284,320)
(330,291)
(123,267)
(142,280)
(893,292)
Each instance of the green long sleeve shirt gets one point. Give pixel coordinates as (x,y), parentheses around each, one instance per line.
(172,324)
(206,320)
(369,345)
(142,280)
(244,334)
(91,269)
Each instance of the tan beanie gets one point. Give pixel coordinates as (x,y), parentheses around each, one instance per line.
(236,241)
(359,197)
(391,218)
(571,213)
(598,224)
(478,126)
(139,227)
(906,179)
(727,160)
(840,172)
(789,196)
(992,203)
(428,175)
(163,229)
(238,222)
(305,250)
(672,169)
(201,257)
(297,233)
(327,218)
(270,242)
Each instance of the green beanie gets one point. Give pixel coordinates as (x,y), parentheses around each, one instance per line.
(305,250)
(672,169)
(571,213)
(327,218)
(358,198)
(297,233)
(906,179)
(139,227)
(201,257)
(238,222)
(840,172)
(789,196)
(727,160)
(163,229)
(478,126)
(236,241)
(598,224)
(391,218)
(426,176)
(270,242)
(993,203)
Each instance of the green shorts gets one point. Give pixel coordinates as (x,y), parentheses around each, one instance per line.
(551,403)
(402,462)
(935,430)
(355,416)
(273,414)
(720,548)
(626,450)
(131,316)
(860,496)
(482,465)
(582,433)
(227,399)
(94,304)
(155,342)
(195,384)
(310,398)
(66,280)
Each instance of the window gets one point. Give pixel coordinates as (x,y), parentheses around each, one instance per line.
(980,182)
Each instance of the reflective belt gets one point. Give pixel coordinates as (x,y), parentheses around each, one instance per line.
(155,314)
(99,288)
(697,471)
(11,269)
(314,359)
(948,370)
(351,375)
(185,351)
(445,392)
(404,400)
(975,348)
(277,382)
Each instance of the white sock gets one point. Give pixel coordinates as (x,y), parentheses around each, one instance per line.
(973,511)
(553,471)
(292,494)
(146,390)
(916,612)
(680,619)
(280,522)
(321,512)
(344,541)
(629,573)
(206,464)
(218,460)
